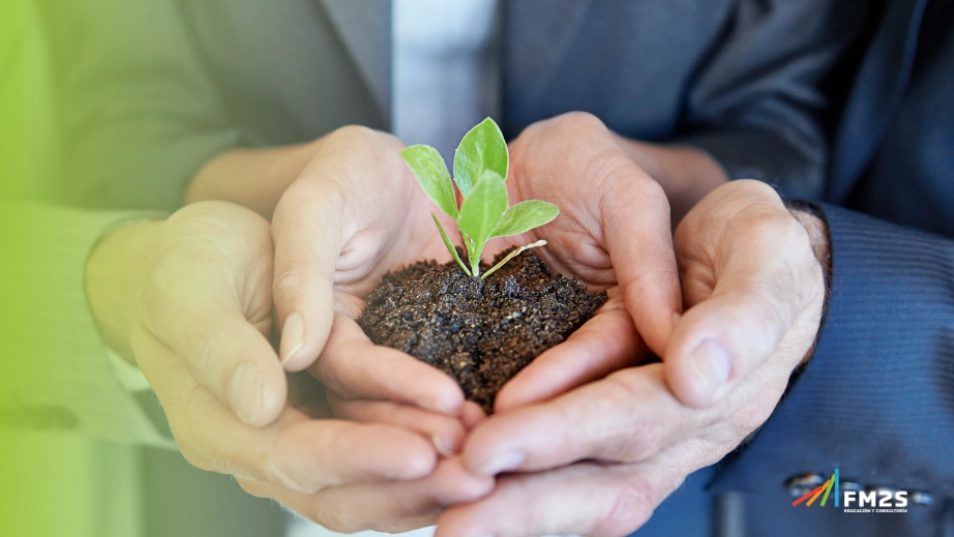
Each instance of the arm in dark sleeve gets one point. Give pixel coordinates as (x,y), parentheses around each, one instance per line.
(139,112)
(757,104)
(877,397)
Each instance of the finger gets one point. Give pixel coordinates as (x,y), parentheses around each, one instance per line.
(295,451)
(758,295)
(472,415)
(199,316)
(307,232)
(582,499)
(626,417)
(308,455)
(354,368)
(640,246)
(389,503)
(446,433)
(605,343)
(389,506)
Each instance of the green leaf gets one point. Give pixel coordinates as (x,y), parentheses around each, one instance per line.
(525,216)
(449,244)
(482,148)
(431,173)
(481,212)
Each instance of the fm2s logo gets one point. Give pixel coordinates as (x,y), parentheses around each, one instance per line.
(854,499)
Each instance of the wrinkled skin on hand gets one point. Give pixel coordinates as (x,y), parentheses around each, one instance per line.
(752,287)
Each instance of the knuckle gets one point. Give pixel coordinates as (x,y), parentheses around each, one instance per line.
(352,134)
(764,313)
(364,138)
(651,189)
(332,372)
(756,227)
(794,268)
(752,188)
(150,305)
(287,284)
(791,232)
(643,288)
(568,424)
(204,346)
(631,438)
(560,129)
(159,284)
(631,508)
(577,121)
(164,290)
(625,185)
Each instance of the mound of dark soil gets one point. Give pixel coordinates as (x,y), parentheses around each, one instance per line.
(480,333)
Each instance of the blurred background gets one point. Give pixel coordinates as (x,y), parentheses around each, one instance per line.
(53,480)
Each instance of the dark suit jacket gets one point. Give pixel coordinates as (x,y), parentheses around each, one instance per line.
(153,90)
(877,398)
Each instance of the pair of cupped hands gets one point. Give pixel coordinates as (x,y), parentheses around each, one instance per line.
(588,439)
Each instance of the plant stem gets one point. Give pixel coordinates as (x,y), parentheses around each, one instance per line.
(473,254)
(450,245)
(512,255)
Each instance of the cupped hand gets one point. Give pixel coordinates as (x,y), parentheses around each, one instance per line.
(197,326)
(613,233)
(753,287)
(354,213)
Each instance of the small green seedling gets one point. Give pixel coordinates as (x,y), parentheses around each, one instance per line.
(480,171)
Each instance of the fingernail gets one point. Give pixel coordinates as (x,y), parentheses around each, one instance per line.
(246,393)
(501,462)
(293,337)
(712,366)
(441,446)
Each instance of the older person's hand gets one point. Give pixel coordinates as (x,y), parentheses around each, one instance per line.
(754,292)
(189,300)
(613,233)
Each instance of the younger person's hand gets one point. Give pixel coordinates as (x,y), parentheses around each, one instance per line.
(354,213)
(189,300)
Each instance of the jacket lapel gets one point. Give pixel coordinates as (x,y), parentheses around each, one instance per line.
(876,96)
(364,26)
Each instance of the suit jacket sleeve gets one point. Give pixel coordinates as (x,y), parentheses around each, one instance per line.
(54,370)
(875,400)
(757,104)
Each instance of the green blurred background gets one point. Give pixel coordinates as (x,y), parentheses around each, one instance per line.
(54,482)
